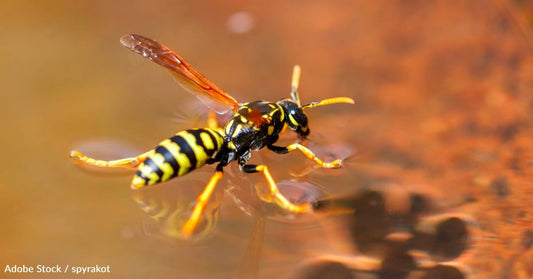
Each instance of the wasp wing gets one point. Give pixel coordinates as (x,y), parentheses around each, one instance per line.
(181,71)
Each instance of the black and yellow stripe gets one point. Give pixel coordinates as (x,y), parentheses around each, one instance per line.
(178,155)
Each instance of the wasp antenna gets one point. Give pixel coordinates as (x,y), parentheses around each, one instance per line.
(336,100)
(296,73)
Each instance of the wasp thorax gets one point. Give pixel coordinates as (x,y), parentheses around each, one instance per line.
(295,117)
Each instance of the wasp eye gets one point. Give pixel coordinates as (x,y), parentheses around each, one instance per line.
(300,117)
(296,118)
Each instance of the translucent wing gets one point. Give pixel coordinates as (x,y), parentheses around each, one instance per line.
(181,71)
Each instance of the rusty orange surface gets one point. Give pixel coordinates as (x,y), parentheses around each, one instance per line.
(443,108)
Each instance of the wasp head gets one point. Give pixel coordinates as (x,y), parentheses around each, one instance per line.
(295,117)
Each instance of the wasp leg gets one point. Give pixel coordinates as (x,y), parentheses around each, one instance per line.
(273,194)
(189,227)
(129,163)
(212,122)
(308,153)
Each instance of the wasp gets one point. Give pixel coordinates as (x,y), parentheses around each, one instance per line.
(254,125)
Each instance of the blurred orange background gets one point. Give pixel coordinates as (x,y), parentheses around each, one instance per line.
(443,107)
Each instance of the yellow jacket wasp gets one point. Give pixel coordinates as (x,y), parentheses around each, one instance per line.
(254,125)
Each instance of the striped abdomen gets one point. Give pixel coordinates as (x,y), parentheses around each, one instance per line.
(178,155)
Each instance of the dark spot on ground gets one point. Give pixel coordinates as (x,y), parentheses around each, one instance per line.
(501,187)
(527,239)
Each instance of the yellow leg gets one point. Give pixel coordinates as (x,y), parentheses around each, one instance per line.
(189,227)
(272,193)
(129,163)
(212,122)
(309,154)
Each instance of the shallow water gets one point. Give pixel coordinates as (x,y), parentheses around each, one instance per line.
(437,149)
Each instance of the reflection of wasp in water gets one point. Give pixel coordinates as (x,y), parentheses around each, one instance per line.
(169,208)
(254,125)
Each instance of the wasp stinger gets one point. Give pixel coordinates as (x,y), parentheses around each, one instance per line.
(254,125)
